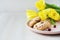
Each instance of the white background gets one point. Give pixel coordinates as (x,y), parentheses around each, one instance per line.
(13,18)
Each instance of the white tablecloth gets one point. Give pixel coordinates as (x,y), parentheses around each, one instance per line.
(11,26)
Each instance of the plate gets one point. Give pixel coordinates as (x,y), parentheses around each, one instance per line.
(53,30)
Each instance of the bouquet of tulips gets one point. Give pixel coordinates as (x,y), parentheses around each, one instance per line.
(45,11)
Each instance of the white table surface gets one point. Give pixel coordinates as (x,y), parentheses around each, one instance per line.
(13,18)
(11,26)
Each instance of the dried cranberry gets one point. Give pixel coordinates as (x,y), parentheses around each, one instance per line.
(49,29)
(54,26)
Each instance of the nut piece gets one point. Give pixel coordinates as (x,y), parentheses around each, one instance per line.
(42,25)
(33,21)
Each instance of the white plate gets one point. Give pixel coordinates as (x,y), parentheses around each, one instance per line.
(53,30)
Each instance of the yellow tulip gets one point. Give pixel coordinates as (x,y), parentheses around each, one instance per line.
(40,4)
(42,15)
(31,14)
(59,17)
(53,14)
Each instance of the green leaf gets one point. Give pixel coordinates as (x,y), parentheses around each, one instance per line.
(52,6)
(52,21)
